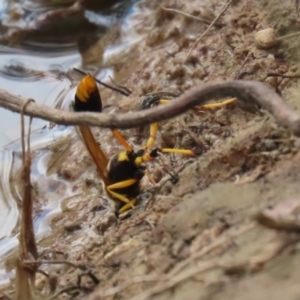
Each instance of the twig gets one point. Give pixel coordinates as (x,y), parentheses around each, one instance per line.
(272,74)
(25,275)
(121,91)
(128,283)
(128,91)
(287,36)
(81,266)
(237,76)
(65,290)
(252,92)
(184,14)
(175,280)
(209,27)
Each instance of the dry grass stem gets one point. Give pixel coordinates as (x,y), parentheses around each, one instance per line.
(25,274)
(288,36)
(184,14)
(207,30)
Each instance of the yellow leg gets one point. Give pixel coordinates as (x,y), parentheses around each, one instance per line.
(150,177)
(153,131)
(122,140)
(180,151)
(164,101)
(205,106)
(218,105)
(119,185)
(127,206)
(154,128)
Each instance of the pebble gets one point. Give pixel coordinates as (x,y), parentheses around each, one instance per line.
(266,38)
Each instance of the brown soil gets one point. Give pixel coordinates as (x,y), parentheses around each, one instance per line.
(197,238)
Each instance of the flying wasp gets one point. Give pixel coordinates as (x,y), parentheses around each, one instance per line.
(123,173)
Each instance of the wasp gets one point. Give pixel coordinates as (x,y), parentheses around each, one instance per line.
(165,97)
(122,173)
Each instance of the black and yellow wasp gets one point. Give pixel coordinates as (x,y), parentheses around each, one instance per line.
(123,172)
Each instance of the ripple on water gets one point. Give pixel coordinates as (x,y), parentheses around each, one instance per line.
(35,73)
(9,212)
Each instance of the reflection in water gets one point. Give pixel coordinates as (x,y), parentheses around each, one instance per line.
(43,89)
(8,206)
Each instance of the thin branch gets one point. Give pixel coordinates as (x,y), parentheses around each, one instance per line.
(124,91)
(124,88)
(237,76)
(272,74)
(287,36)
(252,92)
(208,28)
(81,266)
(184,14)
(139,279)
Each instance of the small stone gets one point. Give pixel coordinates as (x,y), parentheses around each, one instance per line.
(266,38)
(272,81)
(269,60)
(72,226)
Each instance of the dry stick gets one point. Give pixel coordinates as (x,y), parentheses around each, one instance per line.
(25,275)
(139,279)
(183,13)
(27,237)
(81,266)
(209,27)
(124,91)
(287,36)
(242,66)
(247,91)
(273,74)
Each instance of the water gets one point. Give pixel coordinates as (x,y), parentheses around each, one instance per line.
(38,69)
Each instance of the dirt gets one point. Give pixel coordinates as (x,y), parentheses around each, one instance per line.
(198,237)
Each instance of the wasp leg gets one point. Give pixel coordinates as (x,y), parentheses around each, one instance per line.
(218,105)
(128,206)
(179,151)
(164,101)
(154,128)
(148,174)
(206,106)
(122,140)
(122,198)
(153,131)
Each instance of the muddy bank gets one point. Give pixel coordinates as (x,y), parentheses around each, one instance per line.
(199,236)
